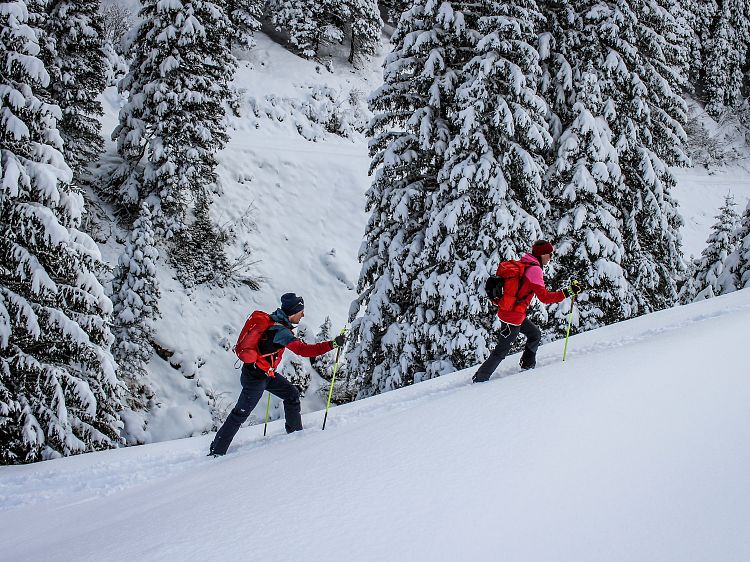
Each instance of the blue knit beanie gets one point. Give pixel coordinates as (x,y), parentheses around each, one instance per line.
(291,304)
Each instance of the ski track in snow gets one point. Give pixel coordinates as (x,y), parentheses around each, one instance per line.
(54,481)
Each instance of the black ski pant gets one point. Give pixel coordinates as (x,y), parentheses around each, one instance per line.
(252,390)
(508,334)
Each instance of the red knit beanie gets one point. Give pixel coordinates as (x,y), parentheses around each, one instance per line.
(541,247)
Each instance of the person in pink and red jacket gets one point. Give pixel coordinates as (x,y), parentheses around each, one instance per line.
(518,292)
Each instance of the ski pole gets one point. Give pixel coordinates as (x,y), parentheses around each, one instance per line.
(268,408)
(333,378)
(570,321)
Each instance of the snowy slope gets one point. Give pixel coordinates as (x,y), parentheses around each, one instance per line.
(306,200)
(637,448)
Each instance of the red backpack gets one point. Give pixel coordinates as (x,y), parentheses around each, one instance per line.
(511,273)
(247,344)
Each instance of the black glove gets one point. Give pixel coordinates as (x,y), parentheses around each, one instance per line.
(338,341)
(573,290)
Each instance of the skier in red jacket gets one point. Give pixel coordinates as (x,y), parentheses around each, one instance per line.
(255,380)
(512,306)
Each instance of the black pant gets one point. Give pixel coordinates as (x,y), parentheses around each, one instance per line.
(253,386)
(508,334)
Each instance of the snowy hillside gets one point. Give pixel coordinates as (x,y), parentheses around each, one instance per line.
(636,448)
(292,193)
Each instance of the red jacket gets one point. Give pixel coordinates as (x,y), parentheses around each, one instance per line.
(511,308)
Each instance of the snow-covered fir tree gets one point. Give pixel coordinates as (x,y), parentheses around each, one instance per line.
(736,272)
(365,25)
(59,394)
(174,121)
(309,23)
(296,369)
(135,295)
(720,244)
(323,363)
(394,8)
(695,18)
(726,55)
(586,184)
(633,42)
(411,129)
(77,69)
(245,17)
(489,200)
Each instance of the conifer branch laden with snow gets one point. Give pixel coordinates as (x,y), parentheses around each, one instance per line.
(410,132)
(736,270)
(720,244)
(586,182)
(174,122)
(135,295)
(77,68)
(59,394)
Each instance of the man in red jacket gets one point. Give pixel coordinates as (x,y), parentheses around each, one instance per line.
(511,309)
(254,380)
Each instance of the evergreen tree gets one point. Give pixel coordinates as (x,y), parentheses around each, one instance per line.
(586,183)
(727,56)
(696,17)
(310,23)
(639,84)
(366,26)
(245,19)
(720,244)
(77,69)
(59,394)
(394,8)
(135,294)
(736,272)
(323,364)
(489,201)
(296,369)
(174,123)
(410,130)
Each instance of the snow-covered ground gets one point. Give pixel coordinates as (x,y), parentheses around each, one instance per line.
(636,448)
(298,205)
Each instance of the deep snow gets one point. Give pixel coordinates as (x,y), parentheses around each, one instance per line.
(636,448)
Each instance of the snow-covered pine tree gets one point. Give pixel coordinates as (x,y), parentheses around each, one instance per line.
(695,18)
(736,274)
(393,9)
(586,184)
(648,113)
(410,131)
(174,121)
(323,364)
(489,201)
(365,25)
(77,69)
(719,246)
(296,369)
(309,23)
(135,295)
(726,55)
(59,394)
(245,17)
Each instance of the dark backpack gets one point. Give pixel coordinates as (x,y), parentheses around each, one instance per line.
(508,273)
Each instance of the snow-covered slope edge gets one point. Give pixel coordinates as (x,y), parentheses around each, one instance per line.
(636,448)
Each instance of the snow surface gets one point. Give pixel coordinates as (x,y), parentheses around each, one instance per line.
(636,448)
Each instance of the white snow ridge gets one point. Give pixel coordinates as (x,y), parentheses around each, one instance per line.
(636,448)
